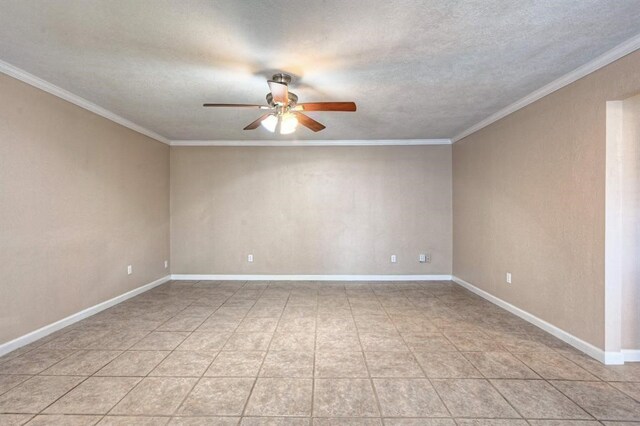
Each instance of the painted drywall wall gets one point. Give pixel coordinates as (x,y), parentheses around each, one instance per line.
(529,199)
(630,200)
(80,199)
(310,210)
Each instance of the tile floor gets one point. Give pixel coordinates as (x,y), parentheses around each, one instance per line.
(301,353)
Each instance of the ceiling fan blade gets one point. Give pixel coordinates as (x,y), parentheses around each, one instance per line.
(237,106)
(280,92)
(255,124)
(309,122)
(327,106)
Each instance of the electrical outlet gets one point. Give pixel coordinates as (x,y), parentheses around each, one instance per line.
(166,264)
(394,259)
(508,277)
(250,258)
(424,258)
(129,269)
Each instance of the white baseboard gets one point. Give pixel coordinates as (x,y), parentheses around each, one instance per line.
(631,355)
(608,358)
(58,325)
(259,277)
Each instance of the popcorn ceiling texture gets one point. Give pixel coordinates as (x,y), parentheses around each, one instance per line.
(417,69)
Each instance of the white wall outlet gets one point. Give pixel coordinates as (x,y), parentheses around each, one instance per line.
(250,258)
(508,277)
(166,264)
(424,258)
(129,269)
(394,259)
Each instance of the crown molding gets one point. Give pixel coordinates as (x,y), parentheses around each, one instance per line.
(41,84)
(601,61)
(302,143)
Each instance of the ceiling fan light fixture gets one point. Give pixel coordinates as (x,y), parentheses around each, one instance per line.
(288,124)
(270,123)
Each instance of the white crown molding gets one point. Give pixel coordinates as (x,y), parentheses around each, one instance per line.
(601,61)
(71,319)
(608,358)
(41,84)
(282,277)
(354,142)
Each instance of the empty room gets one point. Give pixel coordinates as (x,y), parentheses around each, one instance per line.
(320,213)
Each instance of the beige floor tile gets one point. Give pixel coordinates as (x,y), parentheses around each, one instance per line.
(393,364)
(236,364)
(182,323)
(223,396)
(287,364)
(133,421)
(473,398)
(184,364)
(600,400)
(37,393)
(553,366)
(280,397)
(348,421)
(382,342)
(293,341)
(118,340)
(275,421)
(81,363)
(204,421)
(248,342)
(133,363)
(517,342)
(334,342)
(537,399)
(161,341)
(428,342)
(344,398)
(35,361)
(567,423)
(204,341)
(473,342)
(419,422)
(500,365)
(408,398)
(629,372)
(96,395)
(446,365)
(14,419)
(340,365)
(155,396)
(11,381)
(631,389)
(64,420)
(491,422)
(257,325)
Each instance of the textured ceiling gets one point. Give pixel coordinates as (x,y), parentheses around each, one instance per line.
(417,69)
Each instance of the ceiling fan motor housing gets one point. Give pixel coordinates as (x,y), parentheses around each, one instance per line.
(293,99)
(281,78)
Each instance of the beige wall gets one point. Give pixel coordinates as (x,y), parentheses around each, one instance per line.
(80,198)
(310,210)
(631,224)
(529,199)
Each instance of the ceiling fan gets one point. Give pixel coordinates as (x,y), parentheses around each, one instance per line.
(286,112)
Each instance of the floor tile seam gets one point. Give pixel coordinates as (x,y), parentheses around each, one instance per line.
(187,394)
(551,382)
(151,370)
(313,371)
(369,378)
(421,369)
(266,352)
